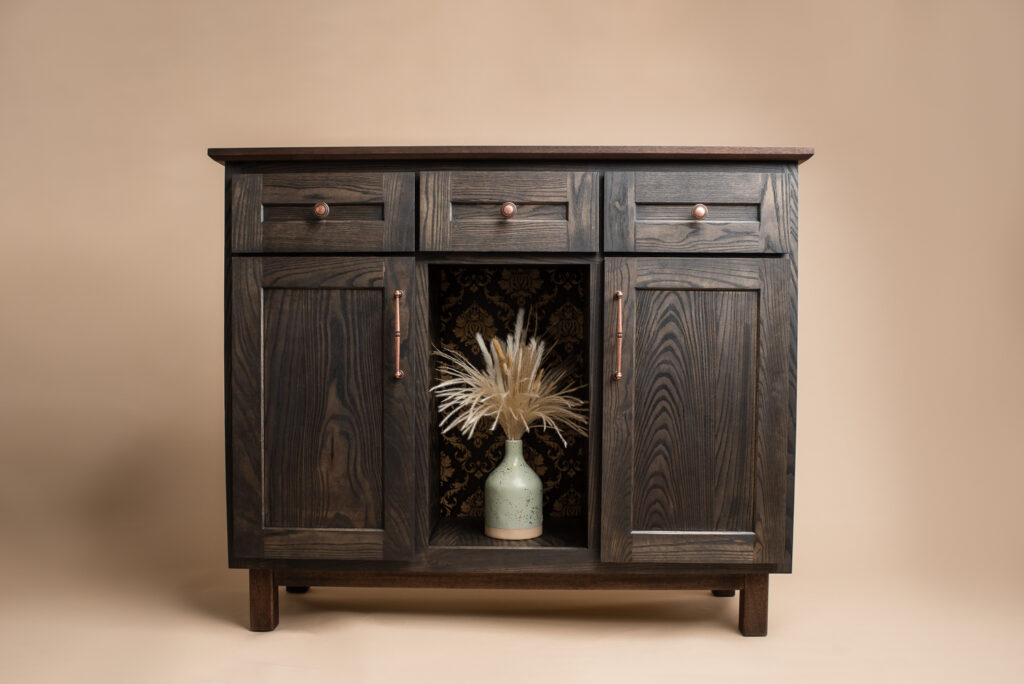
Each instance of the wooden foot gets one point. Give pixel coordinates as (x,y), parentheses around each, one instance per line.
(723,593)
(262,601)
(292,589)
(754,606)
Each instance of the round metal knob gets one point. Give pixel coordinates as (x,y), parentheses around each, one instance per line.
(508,209)
(321,210)
(700,211)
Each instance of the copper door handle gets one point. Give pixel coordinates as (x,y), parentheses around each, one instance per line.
(399,373)
(619,296)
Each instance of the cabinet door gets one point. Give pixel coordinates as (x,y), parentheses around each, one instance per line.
(698,431)
(321,428)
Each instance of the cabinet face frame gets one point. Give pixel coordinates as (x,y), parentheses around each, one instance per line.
(768,541)
(250,537)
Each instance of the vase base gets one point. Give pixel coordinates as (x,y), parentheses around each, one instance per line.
(502,533)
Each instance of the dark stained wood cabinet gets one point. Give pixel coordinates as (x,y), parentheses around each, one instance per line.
(668,273)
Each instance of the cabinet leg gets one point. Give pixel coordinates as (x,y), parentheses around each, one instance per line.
(754,606)
(296,589)
(723,593)
(262,601)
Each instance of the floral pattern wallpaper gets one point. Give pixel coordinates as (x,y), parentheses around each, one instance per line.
(485,300)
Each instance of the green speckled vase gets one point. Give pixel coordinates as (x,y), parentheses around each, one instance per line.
(513,495)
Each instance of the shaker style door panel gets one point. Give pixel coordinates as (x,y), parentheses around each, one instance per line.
(323,211)
(509,211)
(732,211)
(321,430)
(697,428)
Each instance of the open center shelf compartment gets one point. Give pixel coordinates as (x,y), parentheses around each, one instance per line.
(470,298)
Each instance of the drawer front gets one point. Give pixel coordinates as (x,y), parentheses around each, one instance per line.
(550,211)
(323,212)
(695,211)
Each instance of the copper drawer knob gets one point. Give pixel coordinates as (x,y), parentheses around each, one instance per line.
(321,210)
(700,211)
(509,209)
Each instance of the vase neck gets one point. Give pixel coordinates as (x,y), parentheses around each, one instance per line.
(513,451)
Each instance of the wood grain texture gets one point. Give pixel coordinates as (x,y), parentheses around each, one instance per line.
(309,339)
(651,211)
(505,152)
(620,211)
(584,218)
(322,387)
(263,602)
(754,606)
(469,533)
(704,401)
(519,580)
(399,436)
(460,211)
(688,547)
(617,415)
(369,212)
(350,544)
(246,393)
(694,380)
(246,226)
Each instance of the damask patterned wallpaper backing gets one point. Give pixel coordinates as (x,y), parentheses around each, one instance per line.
(485,299)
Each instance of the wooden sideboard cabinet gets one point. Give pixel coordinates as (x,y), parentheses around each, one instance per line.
(666,275)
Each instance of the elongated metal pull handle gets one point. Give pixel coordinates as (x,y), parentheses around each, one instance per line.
(619,296)
(399,373)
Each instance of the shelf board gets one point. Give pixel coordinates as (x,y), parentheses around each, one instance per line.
(469,532)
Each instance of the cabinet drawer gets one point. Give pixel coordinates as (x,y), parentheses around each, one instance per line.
(323,212)
(695,211)
(510,211)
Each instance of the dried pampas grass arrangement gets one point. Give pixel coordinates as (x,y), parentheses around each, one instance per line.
(512,389)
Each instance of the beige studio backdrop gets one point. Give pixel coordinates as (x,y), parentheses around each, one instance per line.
(908,548)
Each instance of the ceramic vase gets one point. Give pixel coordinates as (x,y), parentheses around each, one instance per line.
(513,495)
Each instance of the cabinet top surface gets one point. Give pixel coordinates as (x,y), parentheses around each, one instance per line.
(461,152)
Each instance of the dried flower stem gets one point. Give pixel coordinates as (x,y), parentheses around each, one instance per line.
(512,389)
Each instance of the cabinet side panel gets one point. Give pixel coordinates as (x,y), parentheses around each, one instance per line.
(323,408)
(695,388)
(246,452)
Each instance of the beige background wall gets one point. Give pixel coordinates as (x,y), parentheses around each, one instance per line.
(908,541)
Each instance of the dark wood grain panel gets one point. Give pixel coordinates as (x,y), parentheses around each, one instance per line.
(617,416)
(322,361)
(311,187)
(508,186)
(463,211)
(246,391)
(775,422)
(706,357)
(400,211)
(688,187)
(354,544)
(584,218)
(683,213)
(469,533)
(246,216)
(701,547)
(399,407)
(652,211)
(460,211)
(518,580)
(620,211)
(435,210)
(369,212)
(321,272)
(514,152)
(694,383)
(731,237)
